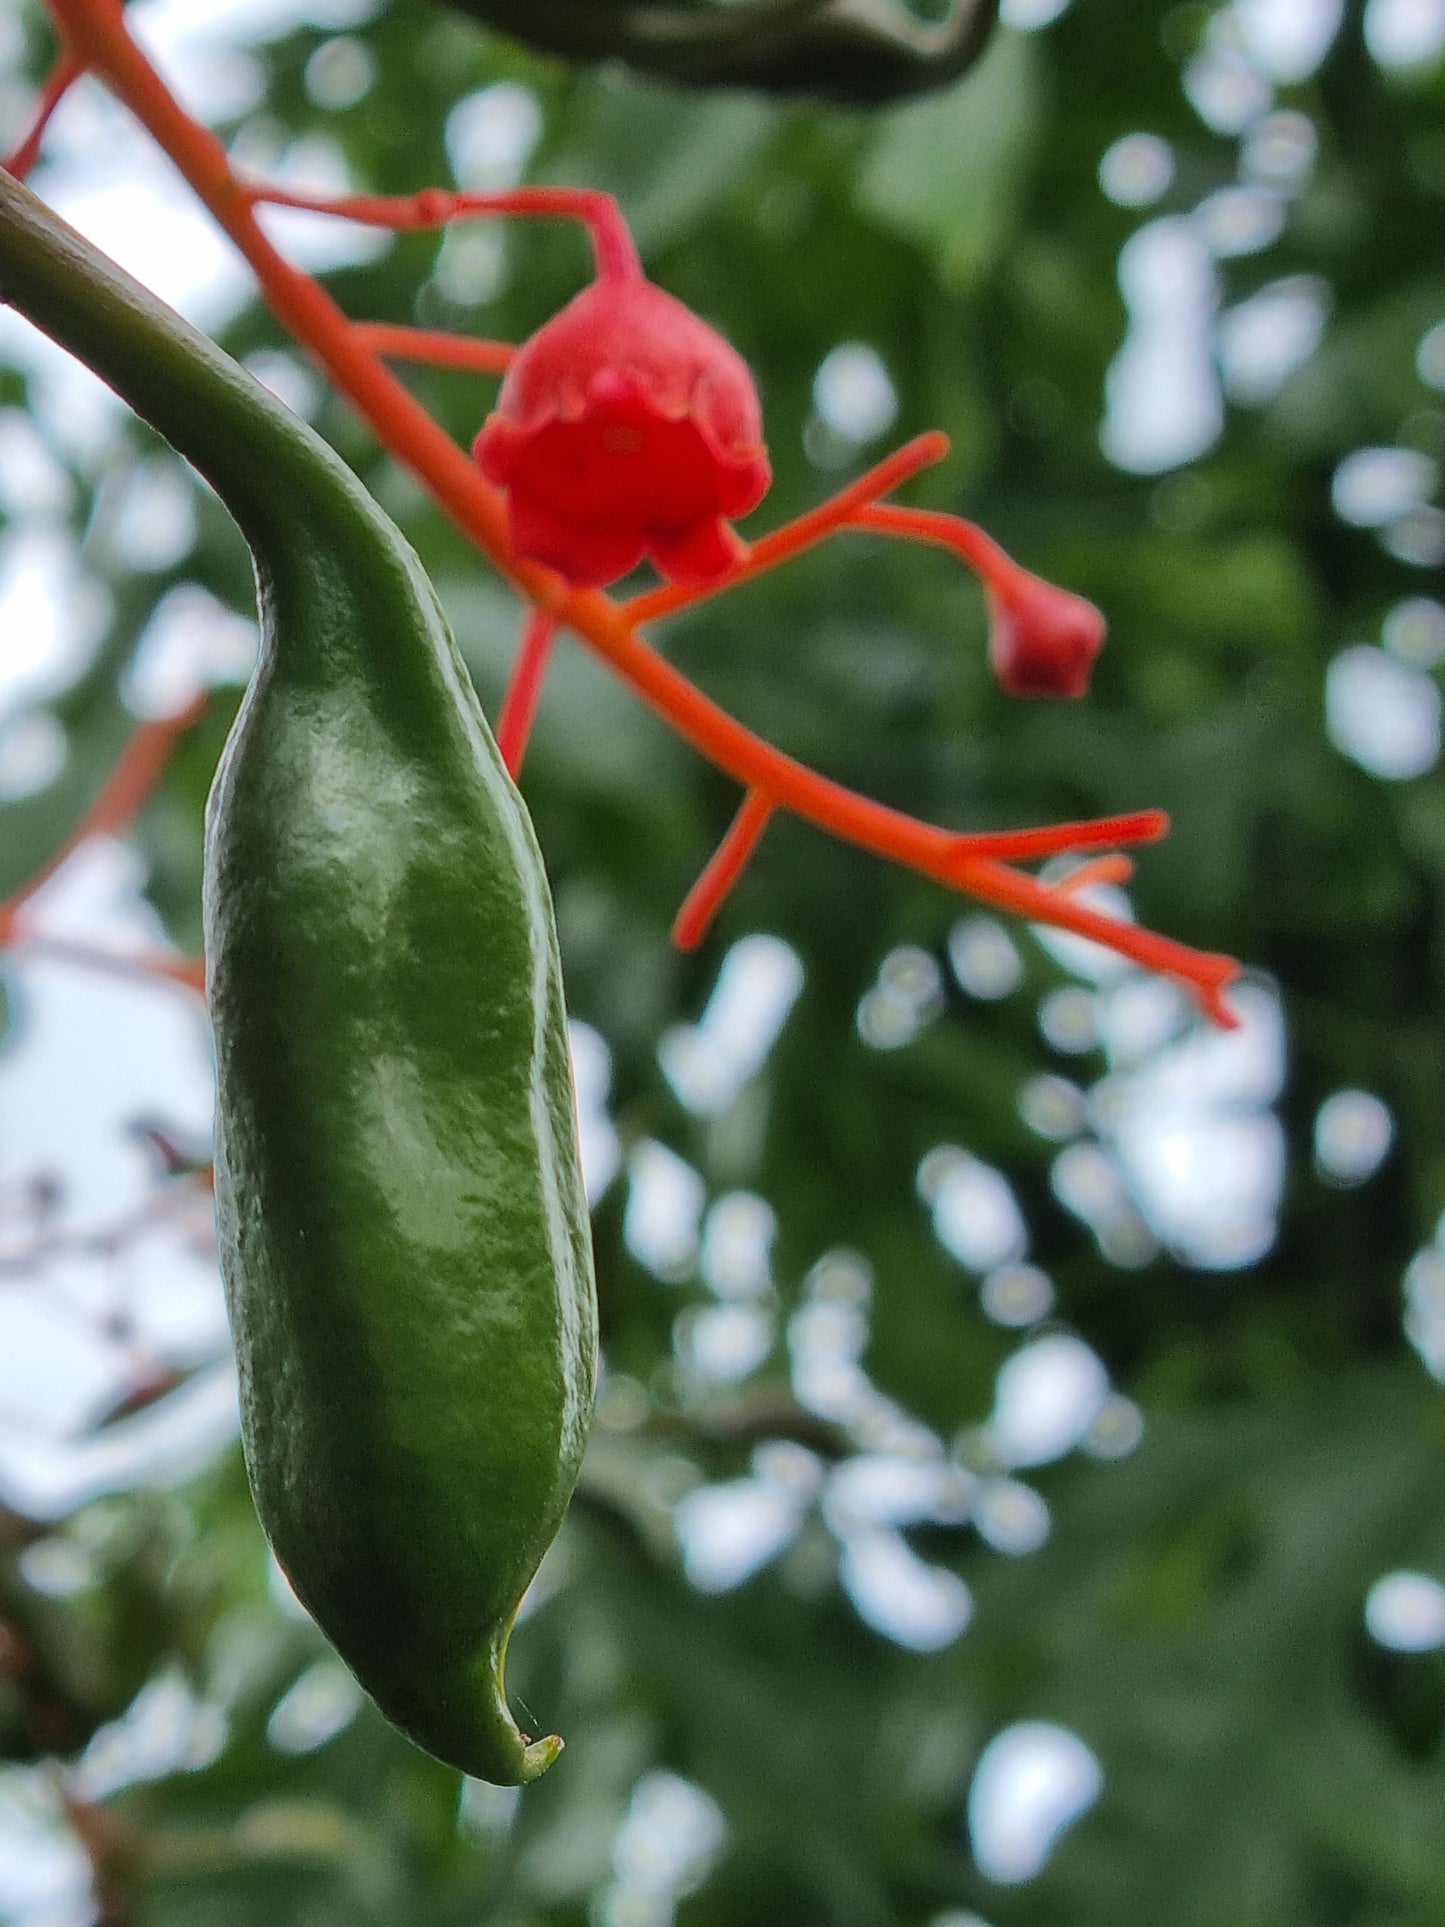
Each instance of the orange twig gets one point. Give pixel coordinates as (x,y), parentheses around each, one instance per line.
(613,247)
(121,799)
(805,532)
(708,894)
(96,36)
(1103,869)
(187,972)
(524,692)
(58,83)
(965,539)
(438,350)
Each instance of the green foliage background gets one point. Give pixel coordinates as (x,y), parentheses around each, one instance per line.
(1196,1616)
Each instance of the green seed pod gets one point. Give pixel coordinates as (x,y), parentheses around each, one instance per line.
(852,52)
(402,1225)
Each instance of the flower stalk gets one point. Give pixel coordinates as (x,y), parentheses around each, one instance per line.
(1043,640)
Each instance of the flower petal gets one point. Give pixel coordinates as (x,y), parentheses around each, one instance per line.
(589,554)
(699,553)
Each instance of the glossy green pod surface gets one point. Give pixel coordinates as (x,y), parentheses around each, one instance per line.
(402,1229)
(402,1224)
(855,53)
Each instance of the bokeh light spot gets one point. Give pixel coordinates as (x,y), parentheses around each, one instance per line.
(1382,714)
(1045,1399)
(1405,33)
(984,958)
(1137,170)
(1353,1134)
(1032,1781)
(1406,1612)
(1016,1295)
(854,395)
(1414,630)
(1372,486)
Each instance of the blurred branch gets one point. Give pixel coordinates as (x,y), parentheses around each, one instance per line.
(169,1201)
(112,1850)
(95,33)
(121,798)
(299,1832)
(154,966)
(752,1417)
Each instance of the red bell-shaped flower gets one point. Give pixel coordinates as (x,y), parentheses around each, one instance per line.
(626,427)
(1043,641)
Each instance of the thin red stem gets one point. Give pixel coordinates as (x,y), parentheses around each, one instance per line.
(187,972)
(803,532)
(1203,972)
(96,33)
(524,692)
(708,894)
(434,348)
(121,798)
(1061,839)
(962,538)
(1103,869)
(58,83)
(613,247)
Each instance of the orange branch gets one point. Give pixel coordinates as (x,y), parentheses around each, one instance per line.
(187,972)
(805,532)
(709,893)
(58,83)
(612,245)
(122,797)
(965,539)
(524,692)
(437,350)
(96,36)
(1103,869)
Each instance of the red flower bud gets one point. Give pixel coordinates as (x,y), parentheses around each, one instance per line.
(1043,641)
(626,427)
